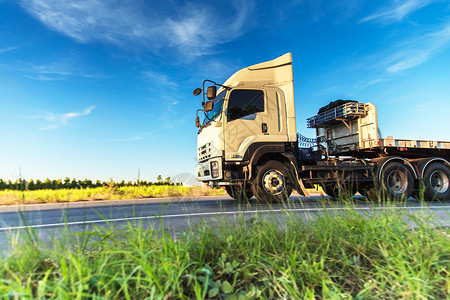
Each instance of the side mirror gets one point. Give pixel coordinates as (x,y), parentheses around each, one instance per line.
(211,92)
(197,122)
(197,91)
(209,105)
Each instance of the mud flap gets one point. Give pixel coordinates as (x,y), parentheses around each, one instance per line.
(301,189)
(298,183)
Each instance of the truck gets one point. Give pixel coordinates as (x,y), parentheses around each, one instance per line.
(248,143)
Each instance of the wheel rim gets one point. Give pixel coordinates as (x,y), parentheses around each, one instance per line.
(397,182)
(439,182)
(274,182)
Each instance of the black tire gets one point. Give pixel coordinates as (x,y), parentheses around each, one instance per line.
(336,190)
(397,181)
(237,192)
(272,183)
(436,182)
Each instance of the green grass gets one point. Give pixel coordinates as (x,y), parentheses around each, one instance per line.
(102,193)
(348,256)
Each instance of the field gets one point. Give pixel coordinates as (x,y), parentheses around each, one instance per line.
(8,197)
(349,256)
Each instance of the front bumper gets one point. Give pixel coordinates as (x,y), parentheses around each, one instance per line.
(210,169)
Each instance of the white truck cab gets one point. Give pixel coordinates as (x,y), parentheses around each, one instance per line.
(253,114)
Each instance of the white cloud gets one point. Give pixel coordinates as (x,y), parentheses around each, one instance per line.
(55,121)
(418,51)
(398,11)
(405,55)
(56,71)
(140,137)
(220,70)
(50,69)
(127,23)
(202,29)
(87,20)
(9,49)
(426,106)
(159,79)
(364,84)
(42,77)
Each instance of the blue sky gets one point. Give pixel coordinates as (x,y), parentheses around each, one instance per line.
(99,89)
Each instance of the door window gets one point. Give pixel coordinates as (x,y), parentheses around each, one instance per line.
(245,103)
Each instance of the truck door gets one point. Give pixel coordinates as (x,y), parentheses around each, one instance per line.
(247,121)
(277,115)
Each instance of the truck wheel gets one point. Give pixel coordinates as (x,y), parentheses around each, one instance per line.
(237,192)
(397,181)
(436,182)
(272,183)
(335,190)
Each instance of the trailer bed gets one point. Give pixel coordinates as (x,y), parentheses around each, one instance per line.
(351,129)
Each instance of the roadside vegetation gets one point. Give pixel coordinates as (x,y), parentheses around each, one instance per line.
(345,256)
(103,193)
(53,191)
(67,183)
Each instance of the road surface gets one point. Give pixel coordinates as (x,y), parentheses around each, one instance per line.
(176,214)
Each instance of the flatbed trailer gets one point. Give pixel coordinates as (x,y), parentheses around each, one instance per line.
(351,156)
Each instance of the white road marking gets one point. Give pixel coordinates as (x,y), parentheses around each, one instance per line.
(214,214)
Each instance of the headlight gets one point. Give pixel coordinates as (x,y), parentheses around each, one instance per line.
(215,169)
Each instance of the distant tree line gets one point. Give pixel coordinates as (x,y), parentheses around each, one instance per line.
(67,183)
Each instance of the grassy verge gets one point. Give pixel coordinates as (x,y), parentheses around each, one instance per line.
(102,193)
(339,257)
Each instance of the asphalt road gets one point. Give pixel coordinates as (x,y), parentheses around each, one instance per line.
(176,214)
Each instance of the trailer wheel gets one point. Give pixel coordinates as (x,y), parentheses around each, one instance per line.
(437,182)
(336,190)
(237,192)
(397,181)
(272,182)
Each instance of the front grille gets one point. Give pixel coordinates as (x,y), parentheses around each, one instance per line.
(204,152)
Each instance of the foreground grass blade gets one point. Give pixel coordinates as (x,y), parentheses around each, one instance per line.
(349,255)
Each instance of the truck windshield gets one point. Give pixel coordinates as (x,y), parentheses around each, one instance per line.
(215,112)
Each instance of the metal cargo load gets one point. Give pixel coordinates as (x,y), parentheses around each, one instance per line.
(351,129)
